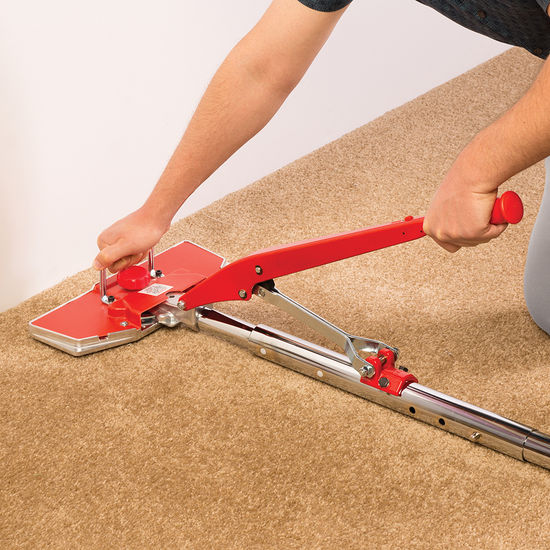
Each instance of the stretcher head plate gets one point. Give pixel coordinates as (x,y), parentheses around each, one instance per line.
(86,324)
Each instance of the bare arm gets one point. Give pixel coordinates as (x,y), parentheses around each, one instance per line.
(244,94)
(460,210)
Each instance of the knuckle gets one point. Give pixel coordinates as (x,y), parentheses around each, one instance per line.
(441,235)
(106,257)
(471,235)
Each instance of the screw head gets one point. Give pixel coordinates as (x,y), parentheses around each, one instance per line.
(383,382)
(242,294)
(258,270)
(124,324)
(181,305)
(367,371)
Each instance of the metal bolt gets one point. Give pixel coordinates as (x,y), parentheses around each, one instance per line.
(258,270)
(261,292)
(383,382)
(475,436)
(242,294)
(124,324)
(367,371)
(181,305)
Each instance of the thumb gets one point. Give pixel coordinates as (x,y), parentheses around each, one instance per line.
(493,231)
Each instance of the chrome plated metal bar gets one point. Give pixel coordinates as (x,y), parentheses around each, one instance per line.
(103,288)
(350,344)
(102,283)
(151,263)
(453,415)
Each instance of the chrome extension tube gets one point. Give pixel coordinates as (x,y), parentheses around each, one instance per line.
(453,415)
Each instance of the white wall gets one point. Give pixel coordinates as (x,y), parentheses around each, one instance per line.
(94,97)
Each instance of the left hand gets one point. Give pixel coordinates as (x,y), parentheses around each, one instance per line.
(460,213)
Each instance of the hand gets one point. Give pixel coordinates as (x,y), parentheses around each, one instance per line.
(128,240)
(460,213)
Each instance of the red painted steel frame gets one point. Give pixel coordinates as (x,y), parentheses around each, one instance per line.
(198,275)
(236,280)
(242,275)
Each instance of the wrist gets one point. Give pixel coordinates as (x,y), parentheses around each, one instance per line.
(158,215)
(474,171)
(173,188)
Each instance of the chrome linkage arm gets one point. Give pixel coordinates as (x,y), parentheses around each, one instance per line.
(351,345)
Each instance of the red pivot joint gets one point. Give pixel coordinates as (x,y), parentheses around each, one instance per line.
(387,377)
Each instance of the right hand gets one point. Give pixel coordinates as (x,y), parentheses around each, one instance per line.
(128,240)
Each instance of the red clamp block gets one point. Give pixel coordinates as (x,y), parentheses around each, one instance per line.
(387,377)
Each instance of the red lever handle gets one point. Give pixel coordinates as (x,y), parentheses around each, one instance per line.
(237,280)
(507,209)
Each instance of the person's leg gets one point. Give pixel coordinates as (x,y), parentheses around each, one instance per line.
(536,286)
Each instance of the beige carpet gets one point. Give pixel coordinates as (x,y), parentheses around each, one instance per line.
(184,441)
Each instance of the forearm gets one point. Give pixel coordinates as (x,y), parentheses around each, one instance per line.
(517,140)
(246,91)
(236,105)
(244,94)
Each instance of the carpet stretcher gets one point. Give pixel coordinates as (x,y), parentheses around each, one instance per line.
(179,286)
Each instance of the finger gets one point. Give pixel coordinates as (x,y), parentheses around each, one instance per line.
(492,232)
(101,242)
(495,231)
(449,247)
(111,253)
(125,262)
(105,239)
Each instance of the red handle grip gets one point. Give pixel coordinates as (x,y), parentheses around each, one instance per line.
(507,209)
(237,280)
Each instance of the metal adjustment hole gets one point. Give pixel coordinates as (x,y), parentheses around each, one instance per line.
(412,410)
(442,421)
(263,351)
(320,373)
